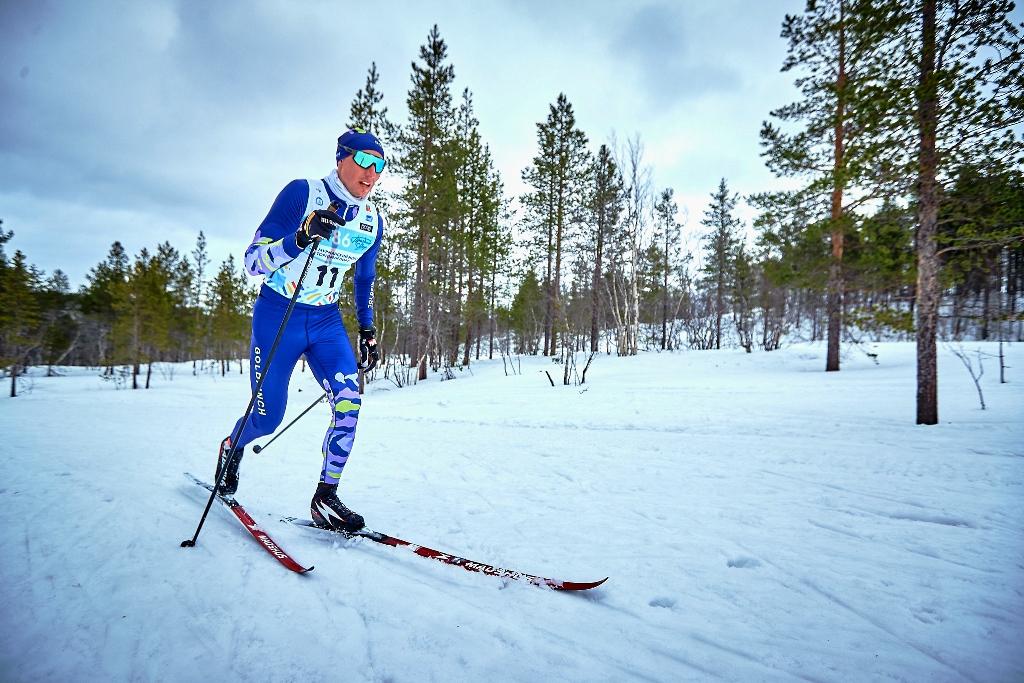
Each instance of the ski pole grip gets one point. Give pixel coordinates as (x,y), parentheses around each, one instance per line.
(334,206)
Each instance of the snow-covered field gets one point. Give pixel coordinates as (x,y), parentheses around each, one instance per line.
(760,520)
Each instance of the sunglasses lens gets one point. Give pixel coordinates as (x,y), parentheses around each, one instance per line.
(366,160)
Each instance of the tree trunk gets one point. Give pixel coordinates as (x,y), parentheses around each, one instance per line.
(595,313)
(927,228)
(719,305)
(455,302)
(469,317)
(556,304)
(635,292)
(985,297)
(835,273)
(490,341)
(548,304)
(664,293)
(422,332)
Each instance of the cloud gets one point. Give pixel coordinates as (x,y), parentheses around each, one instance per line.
(154,119)
(192,115)
(673,67)
(136,101)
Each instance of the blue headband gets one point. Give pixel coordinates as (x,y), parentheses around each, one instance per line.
(358,139)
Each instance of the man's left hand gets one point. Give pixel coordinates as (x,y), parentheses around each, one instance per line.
(368,355)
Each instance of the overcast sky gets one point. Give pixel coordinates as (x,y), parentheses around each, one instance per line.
(150,121)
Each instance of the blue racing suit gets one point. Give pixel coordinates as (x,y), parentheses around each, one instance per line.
(315,327)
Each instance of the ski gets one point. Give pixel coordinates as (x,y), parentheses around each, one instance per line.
(469,565)
(253,528)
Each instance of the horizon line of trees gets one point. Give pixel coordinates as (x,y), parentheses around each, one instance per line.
(158,307)
(908,222)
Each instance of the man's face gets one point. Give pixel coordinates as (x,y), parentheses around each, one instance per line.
(356,179)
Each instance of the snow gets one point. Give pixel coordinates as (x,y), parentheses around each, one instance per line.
(759,519)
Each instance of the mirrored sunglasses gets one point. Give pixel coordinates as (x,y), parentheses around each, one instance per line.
(364,160)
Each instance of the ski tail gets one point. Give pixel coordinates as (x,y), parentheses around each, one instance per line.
(253,528)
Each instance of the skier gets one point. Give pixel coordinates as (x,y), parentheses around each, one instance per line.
(351,233)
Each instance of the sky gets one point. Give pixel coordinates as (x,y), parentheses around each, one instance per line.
(150,121)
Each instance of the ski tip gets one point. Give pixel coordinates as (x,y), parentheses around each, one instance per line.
(575,586)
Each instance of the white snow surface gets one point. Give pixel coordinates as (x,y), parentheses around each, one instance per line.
(759,519)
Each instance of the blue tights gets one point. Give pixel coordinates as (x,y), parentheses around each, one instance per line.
(317,332)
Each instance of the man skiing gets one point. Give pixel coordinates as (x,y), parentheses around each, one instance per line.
(335,209)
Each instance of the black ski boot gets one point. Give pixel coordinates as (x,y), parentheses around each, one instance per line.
(229,472)
(330,513)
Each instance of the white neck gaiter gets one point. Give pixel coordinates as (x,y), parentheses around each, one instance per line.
(334,182)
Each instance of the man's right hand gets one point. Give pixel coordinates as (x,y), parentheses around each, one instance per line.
(319,223)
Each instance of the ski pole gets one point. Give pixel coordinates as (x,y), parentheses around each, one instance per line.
(257,449)
(190,543)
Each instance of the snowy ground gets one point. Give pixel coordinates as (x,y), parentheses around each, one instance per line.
(760,521)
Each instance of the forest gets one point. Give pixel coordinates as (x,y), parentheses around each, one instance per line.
(907,224)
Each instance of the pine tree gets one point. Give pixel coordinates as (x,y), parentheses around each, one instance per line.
(558,179)
(743,293)
(5,237)
(483,239)
(60,328)
(98,298)
(720,245)
(667,240)
(428,194)
(144,308)
(527,314)
(605,205)
(958,91)
(229,300)
(200,259)
(366,113)
(840,48)
(19,314)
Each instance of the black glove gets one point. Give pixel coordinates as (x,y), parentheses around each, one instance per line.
(368,355)
(319,223)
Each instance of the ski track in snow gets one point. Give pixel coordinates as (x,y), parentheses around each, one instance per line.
(760,520)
